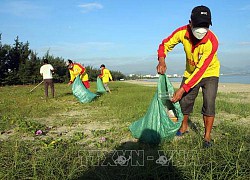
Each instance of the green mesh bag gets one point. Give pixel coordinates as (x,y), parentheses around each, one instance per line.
(156,125)
(100,87)
(80,91)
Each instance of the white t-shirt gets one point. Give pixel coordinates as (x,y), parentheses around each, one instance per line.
(46,71)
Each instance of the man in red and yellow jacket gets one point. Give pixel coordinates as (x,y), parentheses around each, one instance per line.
(202,67)
(75,69)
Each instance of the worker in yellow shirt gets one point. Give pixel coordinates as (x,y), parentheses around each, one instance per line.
(202,67)
(76,69)
(105,76)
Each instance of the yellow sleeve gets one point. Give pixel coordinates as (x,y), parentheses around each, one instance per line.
(170,42)
(72,75)
(110,76)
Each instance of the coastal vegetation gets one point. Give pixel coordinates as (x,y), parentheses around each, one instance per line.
(21,65)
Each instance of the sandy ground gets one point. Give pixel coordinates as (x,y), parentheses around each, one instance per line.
(223,87)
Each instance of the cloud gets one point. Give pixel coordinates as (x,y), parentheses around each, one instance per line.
(87,7)
(134,64)
(77,50)
(21,9)
(247,43)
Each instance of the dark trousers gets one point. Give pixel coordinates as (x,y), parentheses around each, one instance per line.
(209,86)
(47,83)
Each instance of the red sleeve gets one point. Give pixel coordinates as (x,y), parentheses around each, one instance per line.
(161,49)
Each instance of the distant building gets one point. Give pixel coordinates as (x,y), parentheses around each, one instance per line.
(148,76)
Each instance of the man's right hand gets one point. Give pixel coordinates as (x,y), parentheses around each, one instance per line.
(178,95)
(161,67)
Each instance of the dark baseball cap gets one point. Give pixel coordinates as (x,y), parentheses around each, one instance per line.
(201,15)
(70,61)
(102,65)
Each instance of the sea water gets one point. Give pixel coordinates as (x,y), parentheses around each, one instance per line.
(242,79)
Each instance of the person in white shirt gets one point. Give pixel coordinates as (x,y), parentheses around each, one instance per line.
(46,71)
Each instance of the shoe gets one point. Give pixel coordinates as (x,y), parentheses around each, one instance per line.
(179,133)
(207,144)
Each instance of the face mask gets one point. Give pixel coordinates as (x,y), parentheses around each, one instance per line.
(70,66)
(199,32)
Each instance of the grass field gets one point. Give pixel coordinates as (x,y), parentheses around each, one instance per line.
(85,141)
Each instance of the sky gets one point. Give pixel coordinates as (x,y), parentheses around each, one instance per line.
(122,34)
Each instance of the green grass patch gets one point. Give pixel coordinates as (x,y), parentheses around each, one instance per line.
(92,141)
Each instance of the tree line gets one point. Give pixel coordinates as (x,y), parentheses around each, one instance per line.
(21,65)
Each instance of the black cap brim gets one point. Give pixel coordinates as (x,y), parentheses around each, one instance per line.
(197,22)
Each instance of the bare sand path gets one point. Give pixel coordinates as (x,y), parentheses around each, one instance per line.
(223,87)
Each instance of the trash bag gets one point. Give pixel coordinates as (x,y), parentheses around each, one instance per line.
(100,87)
(80,91)
(158,125)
